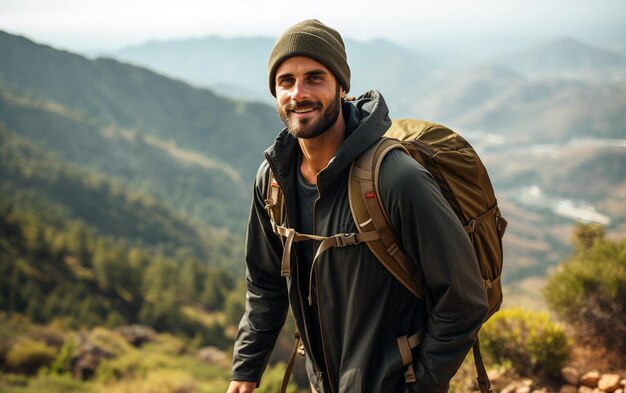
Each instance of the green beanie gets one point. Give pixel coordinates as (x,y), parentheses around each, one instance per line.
(313,39)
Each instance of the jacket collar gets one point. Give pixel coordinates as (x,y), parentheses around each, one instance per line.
(367,119)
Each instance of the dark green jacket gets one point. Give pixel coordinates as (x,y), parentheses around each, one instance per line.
(362,308)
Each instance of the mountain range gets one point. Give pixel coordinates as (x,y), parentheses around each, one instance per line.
(180,146)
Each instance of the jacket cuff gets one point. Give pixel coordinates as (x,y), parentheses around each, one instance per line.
(244,378)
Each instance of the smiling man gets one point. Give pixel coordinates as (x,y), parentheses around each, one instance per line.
(351,312)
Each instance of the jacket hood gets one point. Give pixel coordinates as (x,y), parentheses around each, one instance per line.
(367,119)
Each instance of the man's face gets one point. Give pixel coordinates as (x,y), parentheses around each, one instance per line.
(307,97)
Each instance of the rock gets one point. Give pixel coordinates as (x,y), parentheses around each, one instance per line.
(568,389)
(212,355)
(570,375)
(619,391)
(494,375)
(590,379)
(523,389)
(623,382)
(136,334)
(511,387)
(609,382)
(87,360)
(585,389)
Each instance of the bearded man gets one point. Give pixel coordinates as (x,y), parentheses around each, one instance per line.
(348,308)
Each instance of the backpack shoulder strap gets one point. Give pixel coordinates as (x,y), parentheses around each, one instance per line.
(274,202)
(369,215)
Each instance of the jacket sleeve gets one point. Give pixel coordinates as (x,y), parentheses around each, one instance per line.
(266,297)
(434,238)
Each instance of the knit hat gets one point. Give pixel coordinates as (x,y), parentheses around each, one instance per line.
(313,39)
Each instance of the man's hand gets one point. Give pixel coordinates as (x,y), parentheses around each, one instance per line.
(241,387)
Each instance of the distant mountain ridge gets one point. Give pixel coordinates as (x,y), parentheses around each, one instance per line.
(566,54)
(131,97)
(157,138)
(235,66)
(116,205)
(208,62)
(195,152)
(413,86)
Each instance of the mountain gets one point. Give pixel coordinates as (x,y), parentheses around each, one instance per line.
(237,67)
(182,151)
(109,92)
(210,191)
(502,95)
(101,203)
(397,72)
(565,57)
(455,93)
(211,62)
(524,110)
(102,221)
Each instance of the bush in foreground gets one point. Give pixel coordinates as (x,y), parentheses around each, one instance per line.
(589,289)
(28,355)
(528,341)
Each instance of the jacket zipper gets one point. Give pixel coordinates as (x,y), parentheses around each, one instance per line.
(317,293)
(302,304)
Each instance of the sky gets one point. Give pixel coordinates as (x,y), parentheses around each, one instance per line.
(89,25)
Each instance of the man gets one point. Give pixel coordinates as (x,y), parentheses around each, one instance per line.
(348,308)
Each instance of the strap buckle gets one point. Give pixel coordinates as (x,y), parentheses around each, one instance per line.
(470,227)
(346,239)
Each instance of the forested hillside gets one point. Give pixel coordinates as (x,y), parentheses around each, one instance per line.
(108,93)
(116,203)
(197,186)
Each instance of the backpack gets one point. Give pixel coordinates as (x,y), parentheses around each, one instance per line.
(464,183)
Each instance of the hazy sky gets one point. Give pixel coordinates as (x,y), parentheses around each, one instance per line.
(109,24)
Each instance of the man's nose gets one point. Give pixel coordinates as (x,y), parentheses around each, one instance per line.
(300,91)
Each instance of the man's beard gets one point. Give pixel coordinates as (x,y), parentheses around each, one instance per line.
(309,128)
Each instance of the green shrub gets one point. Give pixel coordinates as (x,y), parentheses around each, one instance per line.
(63,361)
(51,335)
(158,381)
(48,383)
(12,380)
(589,289)
(528,341)
(235,304)
(28,355)
(12,326)
(109,341)
(273,378)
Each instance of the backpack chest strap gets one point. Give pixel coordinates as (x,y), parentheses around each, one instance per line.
(326,242)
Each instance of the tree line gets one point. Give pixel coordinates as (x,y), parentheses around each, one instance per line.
(71,274)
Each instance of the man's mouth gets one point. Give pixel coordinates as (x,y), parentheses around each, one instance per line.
(303,110)
(304,107)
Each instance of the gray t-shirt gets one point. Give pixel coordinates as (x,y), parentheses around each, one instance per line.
(307,194)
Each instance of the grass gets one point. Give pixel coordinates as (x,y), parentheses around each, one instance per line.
(167,365)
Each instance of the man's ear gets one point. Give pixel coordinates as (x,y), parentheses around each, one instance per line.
(342,93)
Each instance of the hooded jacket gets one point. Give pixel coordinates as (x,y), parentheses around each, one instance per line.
(362,308)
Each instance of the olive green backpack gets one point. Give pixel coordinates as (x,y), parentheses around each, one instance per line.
(464,183)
